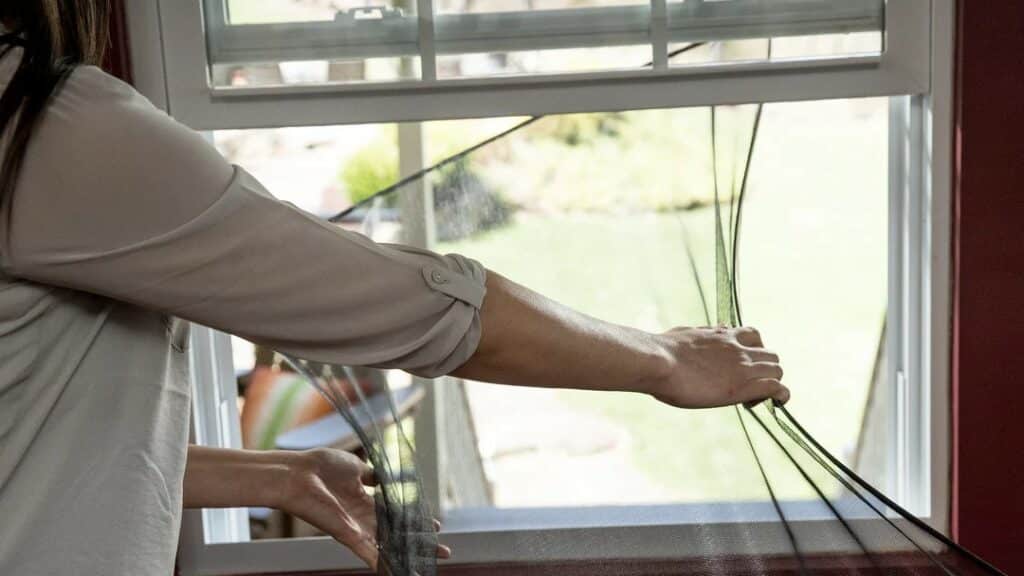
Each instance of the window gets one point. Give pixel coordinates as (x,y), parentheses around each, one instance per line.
(326,100)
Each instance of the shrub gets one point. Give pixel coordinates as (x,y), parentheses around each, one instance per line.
(464,204)
(372,168)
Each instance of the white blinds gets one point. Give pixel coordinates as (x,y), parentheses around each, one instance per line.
(424,31)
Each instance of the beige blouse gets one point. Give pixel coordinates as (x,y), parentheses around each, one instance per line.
(124,220)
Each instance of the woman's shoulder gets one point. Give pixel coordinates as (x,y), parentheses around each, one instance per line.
(108,164)
(95,79)
(98,120)
(93,98)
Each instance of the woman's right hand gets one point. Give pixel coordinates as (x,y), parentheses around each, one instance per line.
(530,340)
(711,367)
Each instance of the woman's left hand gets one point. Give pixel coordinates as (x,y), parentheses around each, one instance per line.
(328,489)
(325,487)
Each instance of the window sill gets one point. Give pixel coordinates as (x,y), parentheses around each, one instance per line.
(666,539)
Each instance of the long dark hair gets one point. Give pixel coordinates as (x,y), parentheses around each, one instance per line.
(57,36)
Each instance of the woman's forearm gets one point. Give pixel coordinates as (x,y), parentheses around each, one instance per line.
(530,340)
(222,478)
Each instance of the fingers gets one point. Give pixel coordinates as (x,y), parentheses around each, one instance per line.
(749,337)
(763,388)
(367,551)
(443,552)
(351,522)
(761,355)
(362,542)
(770,370)
(368,477)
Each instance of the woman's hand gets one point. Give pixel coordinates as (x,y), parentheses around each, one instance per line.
(717,367)
(328,489)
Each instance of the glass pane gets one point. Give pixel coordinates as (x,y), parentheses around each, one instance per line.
(490,6)
(756,50)
(540,36)
(742,31)
(278,11)
(595,209)
(542,61)
(283,42)
(316,72)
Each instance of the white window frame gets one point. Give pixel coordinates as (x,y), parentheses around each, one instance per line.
(902,68)
(170,67)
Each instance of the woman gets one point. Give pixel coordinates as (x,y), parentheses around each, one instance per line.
(117,220)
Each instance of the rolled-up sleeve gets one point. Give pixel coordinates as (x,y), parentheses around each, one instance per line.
(225,253)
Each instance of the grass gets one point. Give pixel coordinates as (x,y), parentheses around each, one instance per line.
(631,270)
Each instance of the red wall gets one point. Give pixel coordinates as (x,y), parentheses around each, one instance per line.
(988,340)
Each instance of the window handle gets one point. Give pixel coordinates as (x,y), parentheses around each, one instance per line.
(363,13)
